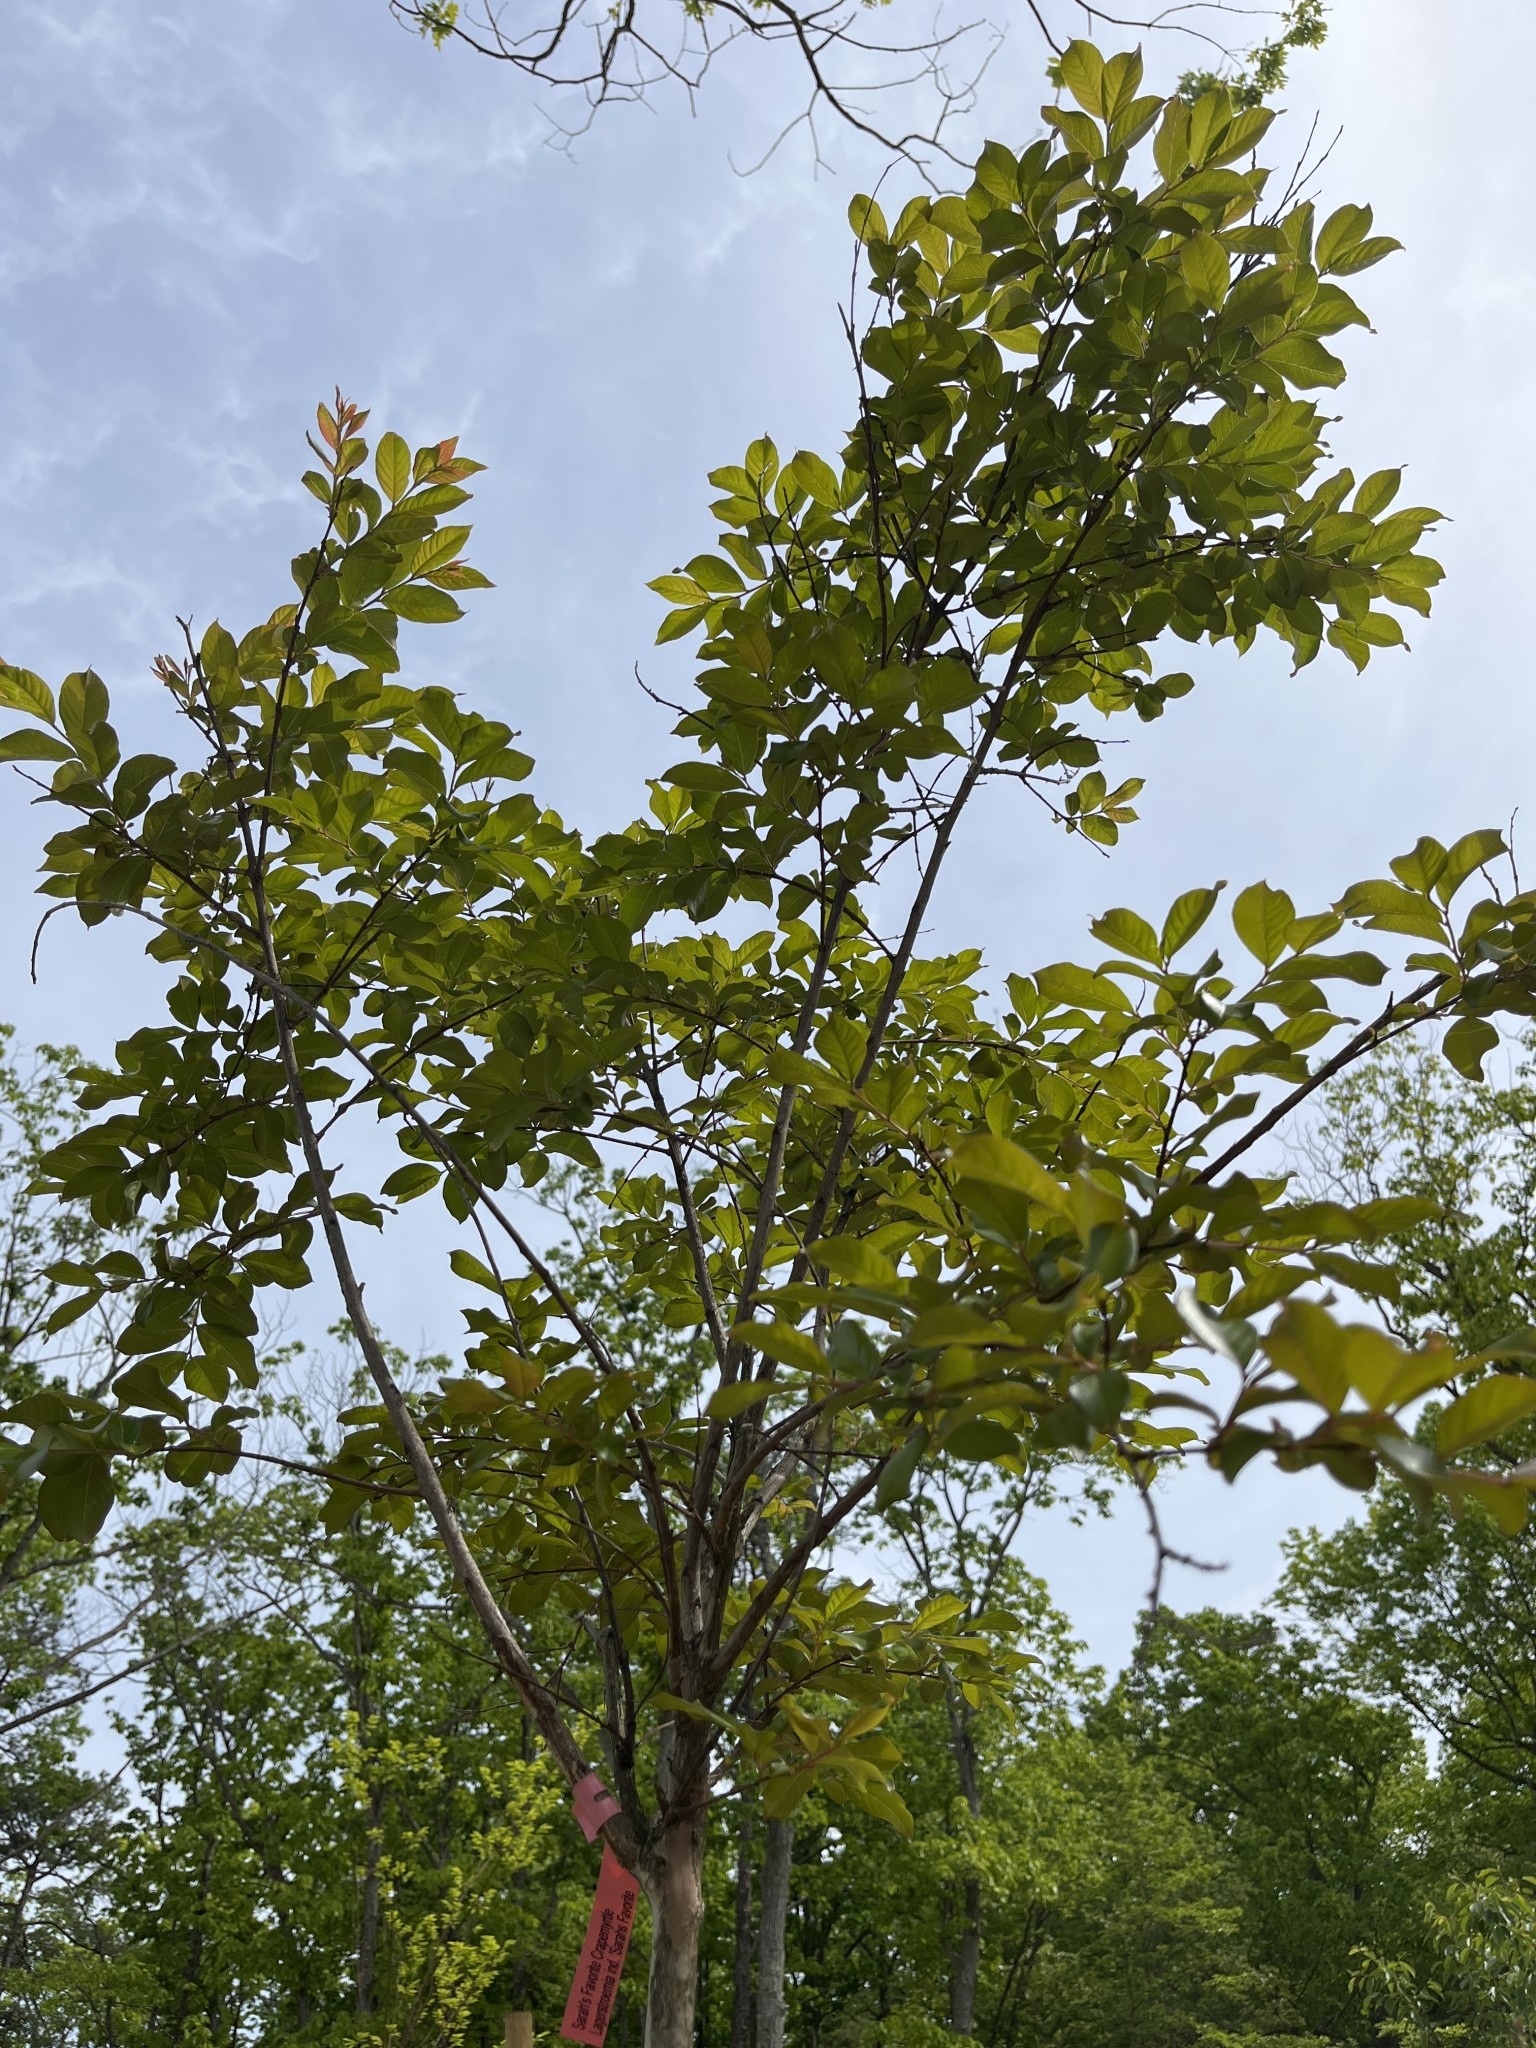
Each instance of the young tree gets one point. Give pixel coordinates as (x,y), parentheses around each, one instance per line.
(895,1224)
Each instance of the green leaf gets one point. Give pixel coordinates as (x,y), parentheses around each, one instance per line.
(83,704)
(436,551)
(896,1479)
(76,1495)
(1082,73)
(1170,150)
(1373,1362)
(980,1439)
(701,775)
(715,575)
(1189,912)
(853,1350)
(423,603)
(392,467)
(1307,1343)
(881,1803)
(1262,917)
(851,1259)
(738,1397)
(135,779)
(818,479)
(407,1182)
(1205,269)
(1392,1214)
(1342,230)
(20,690)
(782,1341)
(677,625)
(1004,1164)
(1378,491)
(468,1267)
(675,1704)
(866,219)
(1364,254)
(1117,87)
(1111,1249)
(1471,852)
(1205,1328)
(27,744)
(1468,1043)
(1345,243)
(1360,967)
(938,1612)
(143,1386)
(1508,1505)
(1484,1411)
(784,1793)
(1303,361)
(1092,1204)
(1065,982)
(1128,933)
(1389,907)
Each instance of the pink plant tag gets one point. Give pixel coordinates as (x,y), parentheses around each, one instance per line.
(595,1986)
(594,1804)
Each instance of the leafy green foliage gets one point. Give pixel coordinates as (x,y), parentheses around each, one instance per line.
(1320,1794)
(1303,25)
(335,1834)
(889,1227)
(1483,1935)
(54,1632)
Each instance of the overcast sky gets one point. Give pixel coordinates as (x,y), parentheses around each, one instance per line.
(209,215)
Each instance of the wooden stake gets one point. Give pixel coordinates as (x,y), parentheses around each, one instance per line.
(518,2030)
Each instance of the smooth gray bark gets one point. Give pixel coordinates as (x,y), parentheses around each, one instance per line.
(772,1918)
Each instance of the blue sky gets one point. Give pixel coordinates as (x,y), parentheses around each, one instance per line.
(209,215)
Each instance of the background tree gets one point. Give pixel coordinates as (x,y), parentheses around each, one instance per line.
(61,1630)
(898,1227)
(1319,1795)
(1427,1609)
(1484,1987)
(1400,1124)
(958,1533)
(334,1828)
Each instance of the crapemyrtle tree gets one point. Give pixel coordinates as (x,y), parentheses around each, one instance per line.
(903,1209)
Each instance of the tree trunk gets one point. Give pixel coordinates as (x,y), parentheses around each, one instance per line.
(770,1933)
(967,1961)
(741,1982)
(674,1885)
(364,1644)
(965,1958)
(372,1907)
